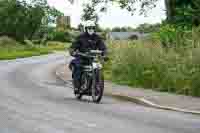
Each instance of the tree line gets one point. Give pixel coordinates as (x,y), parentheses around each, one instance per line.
(21,19)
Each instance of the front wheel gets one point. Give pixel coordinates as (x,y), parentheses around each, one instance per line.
(97,86)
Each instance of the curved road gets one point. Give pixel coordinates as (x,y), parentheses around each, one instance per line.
(33,100)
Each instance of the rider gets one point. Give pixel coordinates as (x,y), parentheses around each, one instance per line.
(88,40)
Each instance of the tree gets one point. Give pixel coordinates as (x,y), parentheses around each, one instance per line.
(89,13)
(177,11)
(116,29)
(123,29)
(21,20)
(129,5)
(148,28)
(80,27)
(183,11)
(195,12)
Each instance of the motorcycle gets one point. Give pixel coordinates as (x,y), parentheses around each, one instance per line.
(92,78)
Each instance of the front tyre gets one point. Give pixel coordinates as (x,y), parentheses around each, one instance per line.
(97,86)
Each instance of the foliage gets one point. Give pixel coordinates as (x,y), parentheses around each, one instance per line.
(167,36)
(178,11)
(89,13)
(148,28)
(183,12)
(20,19)
(103,35)
(116,29)
(54,45)
(142,28)
(173,36)
(150,66)
(129,5)
(94,7)
(81,27)
(60,36)
(7,42)
(133,37)
(122,29)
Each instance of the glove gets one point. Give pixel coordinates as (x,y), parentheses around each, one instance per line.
(73,53)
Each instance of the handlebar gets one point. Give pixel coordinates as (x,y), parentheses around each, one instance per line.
(92,54)
(96,52)
(82,54)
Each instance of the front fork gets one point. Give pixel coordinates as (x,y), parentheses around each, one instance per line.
(92,76)
(95,80)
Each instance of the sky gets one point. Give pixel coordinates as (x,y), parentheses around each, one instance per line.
(113,17)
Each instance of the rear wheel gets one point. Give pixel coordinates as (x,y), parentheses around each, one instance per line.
(97,86)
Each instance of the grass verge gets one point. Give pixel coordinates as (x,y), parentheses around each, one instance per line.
(10,49)
(149,66)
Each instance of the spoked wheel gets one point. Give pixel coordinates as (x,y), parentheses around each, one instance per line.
(84,85)
(97,86)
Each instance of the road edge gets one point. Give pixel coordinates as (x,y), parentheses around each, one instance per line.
(137,100)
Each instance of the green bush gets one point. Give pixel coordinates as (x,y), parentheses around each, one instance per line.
(6,41)
(103,35)
(21,19)
(133,37)
(57,45)
(172,36)
(60,36)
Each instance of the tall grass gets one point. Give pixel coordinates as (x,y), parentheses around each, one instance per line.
(146,64)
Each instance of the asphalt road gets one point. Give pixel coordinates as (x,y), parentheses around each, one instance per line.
(33,100)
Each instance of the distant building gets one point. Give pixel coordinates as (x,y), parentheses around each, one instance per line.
(126,35)
(63,23)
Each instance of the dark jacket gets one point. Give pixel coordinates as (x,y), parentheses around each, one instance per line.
(85,42)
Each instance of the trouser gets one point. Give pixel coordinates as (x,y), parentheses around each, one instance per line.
(76,68)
